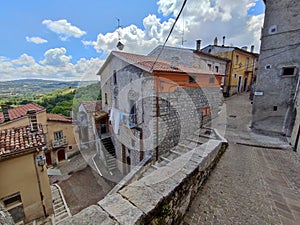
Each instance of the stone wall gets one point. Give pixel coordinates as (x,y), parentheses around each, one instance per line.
(180,114)
(162,197)
(273,108)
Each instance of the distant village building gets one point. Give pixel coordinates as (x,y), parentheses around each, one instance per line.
(153,104)
(60,140)
(93,128)
(241,69)
(24,183)
(276,100)
(194,58)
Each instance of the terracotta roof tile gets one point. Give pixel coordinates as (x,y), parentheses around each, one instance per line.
(21,111)
(146,63)
(20,139)
(58,117)
(92,106)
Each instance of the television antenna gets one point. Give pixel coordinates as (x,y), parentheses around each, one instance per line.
(119,45)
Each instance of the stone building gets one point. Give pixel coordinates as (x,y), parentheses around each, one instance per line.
(241,67)
(154,103)
(275,103)
(193,58)
(24,183)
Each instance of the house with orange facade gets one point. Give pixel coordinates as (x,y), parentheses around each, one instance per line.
(153,103)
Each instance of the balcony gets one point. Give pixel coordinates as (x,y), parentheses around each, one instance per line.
(59,143)
(132,120)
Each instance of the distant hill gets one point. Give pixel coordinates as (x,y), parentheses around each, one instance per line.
(29,87)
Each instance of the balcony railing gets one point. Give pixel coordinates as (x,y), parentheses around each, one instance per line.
(59,143)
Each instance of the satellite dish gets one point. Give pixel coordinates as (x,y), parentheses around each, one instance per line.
(120,46)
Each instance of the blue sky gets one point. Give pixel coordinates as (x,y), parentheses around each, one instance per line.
(70,39)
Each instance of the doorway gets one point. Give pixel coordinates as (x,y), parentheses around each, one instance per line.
(245,83)
(61,155)
(240,84)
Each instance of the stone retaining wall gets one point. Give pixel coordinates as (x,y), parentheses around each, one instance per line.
(162,197)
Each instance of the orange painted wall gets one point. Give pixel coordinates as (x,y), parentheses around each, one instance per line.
(168,82)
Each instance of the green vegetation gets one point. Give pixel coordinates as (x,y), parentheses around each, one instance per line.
(59,101)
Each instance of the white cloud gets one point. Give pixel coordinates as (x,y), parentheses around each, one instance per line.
(134,38)
(56,66)
(36,40)
(203,20)
(64,28)
(56,57)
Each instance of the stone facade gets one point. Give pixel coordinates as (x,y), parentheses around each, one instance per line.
(160,117)
(278,70)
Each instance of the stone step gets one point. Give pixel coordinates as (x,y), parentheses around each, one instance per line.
(165,159)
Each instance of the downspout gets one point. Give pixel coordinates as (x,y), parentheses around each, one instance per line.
(39,184)
(157,113)
(229,80)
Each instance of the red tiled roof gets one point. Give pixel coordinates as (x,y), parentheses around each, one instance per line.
(20,139)
(21,111)
(146,63)
(92,106)
(58,117)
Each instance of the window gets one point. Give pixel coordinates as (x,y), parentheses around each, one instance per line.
(247,63)
(236,59)
(212,79)
(273,29)
(217,69)
(105,96)
(13,204)
(58,135)
(115,77)
(209,67)
(192,79)
(205,111)
(234,75)
(288,71)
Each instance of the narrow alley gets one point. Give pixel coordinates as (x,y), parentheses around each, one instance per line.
(256,180)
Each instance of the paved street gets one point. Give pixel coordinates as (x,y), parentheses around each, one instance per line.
(250,185)
(80,184)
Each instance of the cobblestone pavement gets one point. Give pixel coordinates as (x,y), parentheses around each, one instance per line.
(250,185)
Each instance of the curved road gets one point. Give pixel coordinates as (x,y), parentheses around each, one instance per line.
(250,185)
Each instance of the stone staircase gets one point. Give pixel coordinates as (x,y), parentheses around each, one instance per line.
(182,147)
(61,210)
(110,153)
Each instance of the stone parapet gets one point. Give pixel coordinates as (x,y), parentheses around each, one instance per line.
(163,196)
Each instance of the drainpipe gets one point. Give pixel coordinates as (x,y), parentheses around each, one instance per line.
(229,81)
(157,113)
(39,184)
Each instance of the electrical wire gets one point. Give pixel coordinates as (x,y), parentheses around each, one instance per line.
(170,32)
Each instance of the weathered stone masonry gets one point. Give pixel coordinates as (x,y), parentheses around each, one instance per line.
(161,197)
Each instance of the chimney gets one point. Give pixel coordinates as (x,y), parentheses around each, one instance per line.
(223,41)
(198,45)
(5,112)
(252,48)
(174,62)
(245,48)
(216,41)
(32,120)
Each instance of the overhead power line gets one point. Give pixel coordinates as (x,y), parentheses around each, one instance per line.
(170,32)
